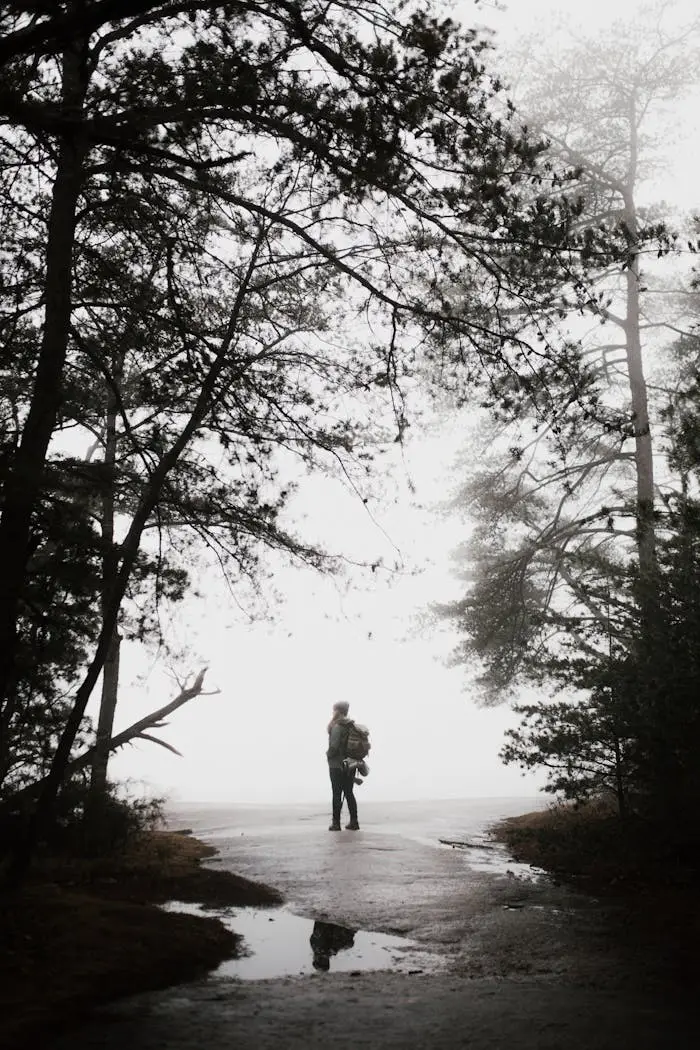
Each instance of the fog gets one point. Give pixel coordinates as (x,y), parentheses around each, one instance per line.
(260,735)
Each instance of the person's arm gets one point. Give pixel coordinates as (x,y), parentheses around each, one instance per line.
(336,746)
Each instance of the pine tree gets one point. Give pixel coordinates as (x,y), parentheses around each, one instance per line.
(220,188)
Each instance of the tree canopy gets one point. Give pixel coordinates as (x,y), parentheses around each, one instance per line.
(581,505)
(231,231)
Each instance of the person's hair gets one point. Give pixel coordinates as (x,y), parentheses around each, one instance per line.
(340,709)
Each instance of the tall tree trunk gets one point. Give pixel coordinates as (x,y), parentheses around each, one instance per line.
(110,674)
(105,722)
(23,484)
(643,450)
(128,553)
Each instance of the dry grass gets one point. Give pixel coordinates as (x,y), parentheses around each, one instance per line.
(591,843)
(651,875)
(84,932)
(157,867)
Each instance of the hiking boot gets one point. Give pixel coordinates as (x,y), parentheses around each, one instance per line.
(352,826)
(334,827)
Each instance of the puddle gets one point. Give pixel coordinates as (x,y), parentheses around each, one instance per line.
(492,857)
(280,944)
(501,864)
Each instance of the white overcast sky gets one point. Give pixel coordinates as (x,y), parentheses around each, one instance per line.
(262,737)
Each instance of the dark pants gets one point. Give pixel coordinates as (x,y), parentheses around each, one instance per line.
(343,784)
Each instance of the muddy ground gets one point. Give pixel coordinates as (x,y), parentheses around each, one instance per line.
(85,931)
(511,960)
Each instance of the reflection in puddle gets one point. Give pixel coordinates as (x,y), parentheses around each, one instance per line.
(328,939)
(279,944)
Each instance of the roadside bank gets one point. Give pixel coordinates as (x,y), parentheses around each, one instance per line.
(526,963)
(648,882)
(82,933)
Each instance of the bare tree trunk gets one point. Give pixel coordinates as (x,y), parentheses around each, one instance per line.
(105,722)
(23,484)
(110,674)
(644,459)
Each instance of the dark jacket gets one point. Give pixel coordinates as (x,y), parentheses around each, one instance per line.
(338,743)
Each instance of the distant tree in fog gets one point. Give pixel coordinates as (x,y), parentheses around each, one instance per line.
(565,500)
(582,570)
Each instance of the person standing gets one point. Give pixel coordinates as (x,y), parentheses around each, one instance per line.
(342,778)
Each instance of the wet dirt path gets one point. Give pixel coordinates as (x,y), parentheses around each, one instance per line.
(523,963)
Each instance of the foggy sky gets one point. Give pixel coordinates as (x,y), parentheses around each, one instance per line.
(262,737)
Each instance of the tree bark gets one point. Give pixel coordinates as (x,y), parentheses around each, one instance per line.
(23,484)
(105,722)
(110,673)
(644,458)
(128,553)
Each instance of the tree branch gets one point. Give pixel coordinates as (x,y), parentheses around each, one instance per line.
(137,731)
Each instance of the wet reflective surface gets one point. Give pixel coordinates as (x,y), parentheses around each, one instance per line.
(497,862)
(280,944)
(326,940)
(393,875)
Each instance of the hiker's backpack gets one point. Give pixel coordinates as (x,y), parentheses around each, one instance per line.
(358,744)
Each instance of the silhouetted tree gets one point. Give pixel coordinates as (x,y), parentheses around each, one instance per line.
(211,194)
